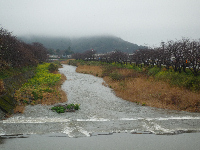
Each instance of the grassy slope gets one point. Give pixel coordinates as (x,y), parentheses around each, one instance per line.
(44,88)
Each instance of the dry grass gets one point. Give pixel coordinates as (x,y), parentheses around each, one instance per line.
(146,91)
(1,87)
(19,109)
(94,70)
(66,61)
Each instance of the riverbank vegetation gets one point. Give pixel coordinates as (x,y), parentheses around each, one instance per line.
(66,108)
(152,86)
(18,59)
(43,88)
(166,77)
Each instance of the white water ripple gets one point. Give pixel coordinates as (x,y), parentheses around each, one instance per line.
(57,120)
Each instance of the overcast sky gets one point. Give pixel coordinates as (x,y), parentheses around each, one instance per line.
(137,21)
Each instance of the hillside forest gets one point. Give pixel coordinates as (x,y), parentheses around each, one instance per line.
(101,44)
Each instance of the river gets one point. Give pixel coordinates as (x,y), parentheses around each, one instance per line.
(101,113)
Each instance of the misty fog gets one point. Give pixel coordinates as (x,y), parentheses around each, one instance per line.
(138,21)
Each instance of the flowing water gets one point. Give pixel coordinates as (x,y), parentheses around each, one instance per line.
(101,113)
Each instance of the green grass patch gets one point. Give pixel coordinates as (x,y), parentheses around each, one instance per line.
(186,80)
(153,71)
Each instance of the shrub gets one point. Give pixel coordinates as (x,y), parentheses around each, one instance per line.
(136,68)
(73,62)
(186,80)
(153,71)
(143,104)
(76,107)
(107,70)
(193,83)
(52,67)
(58,109)
(116,76)
(57,63)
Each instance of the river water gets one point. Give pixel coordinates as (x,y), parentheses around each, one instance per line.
(101,113)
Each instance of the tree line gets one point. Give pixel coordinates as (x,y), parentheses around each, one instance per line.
(15,53)
(59,52)
(178,55)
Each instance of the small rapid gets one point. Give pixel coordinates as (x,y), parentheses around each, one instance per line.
(101,112)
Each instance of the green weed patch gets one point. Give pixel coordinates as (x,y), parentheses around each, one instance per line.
(116,76)
(66,108)
(188,81)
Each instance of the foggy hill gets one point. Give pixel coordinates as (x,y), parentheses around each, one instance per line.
(101,44)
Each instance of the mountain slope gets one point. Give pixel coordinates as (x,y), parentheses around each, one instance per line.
(101,44)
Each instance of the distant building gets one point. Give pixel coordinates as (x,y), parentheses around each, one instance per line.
(53,56)
(66,56)
(69,56)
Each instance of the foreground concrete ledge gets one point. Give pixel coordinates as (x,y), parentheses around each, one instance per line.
(116,141)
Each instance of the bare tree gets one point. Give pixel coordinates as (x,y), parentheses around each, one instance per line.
(193,57)
(15,53)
